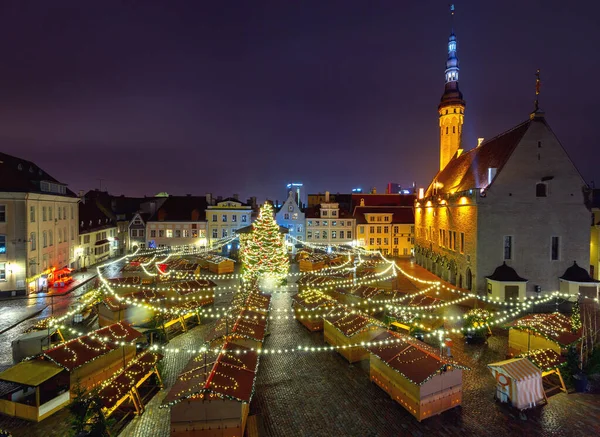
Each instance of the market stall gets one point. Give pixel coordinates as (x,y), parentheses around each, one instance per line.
(541,331)
(345,330)
(310,306)
(519,382)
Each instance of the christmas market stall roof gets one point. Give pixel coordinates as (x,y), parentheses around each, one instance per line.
(187,287)
(142,296)
(131,280)
(348,323)
(505,273)
(411,358)
(31,372)
(81,350)
(362,291)
(258,302)
(251,324)
(312,299)
(231,376)
(576,273)
(555,327)
(545,359)
(119,386)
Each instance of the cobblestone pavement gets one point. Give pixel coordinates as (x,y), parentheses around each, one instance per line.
(320,394)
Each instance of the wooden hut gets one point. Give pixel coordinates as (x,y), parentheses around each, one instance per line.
(549,362)
(312,262)
(122,388)
(93,358)
(211,398)
(218,264)
(310,306)
(34,342)
(343,329)
(114,310)
(33,390)
(415,375)
(541,331)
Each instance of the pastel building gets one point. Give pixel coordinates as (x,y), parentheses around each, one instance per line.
(290,216)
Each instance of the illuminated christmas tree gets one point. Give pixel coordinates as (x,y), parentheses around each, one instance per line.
(263,251)
(576,317)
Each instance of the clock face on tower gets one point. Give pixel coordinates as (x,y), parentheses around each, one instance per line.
(291,207)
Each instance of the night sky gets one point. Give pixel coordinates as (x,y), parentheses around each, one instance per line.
(243,97)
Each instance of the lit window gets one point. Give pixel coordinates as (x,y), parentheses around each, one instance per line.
(169,233)
(2,243)
(186,233)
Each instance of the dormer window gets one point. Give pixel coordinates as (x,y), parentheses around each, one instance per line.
(541,190)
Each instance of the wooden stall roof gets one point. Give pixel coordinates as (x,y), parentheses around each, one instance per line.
(251,324)
(141,259)
(545,359)
(187,287)
(311,299)
(362,291)
(410,357)
(193,304)
(349,323)
(114,304)
(555,326)
(230,376)
(118,332)
(81,350)
(113,390)
(258,302)
(132,280)
(312,279)
(214,259)
(31,373)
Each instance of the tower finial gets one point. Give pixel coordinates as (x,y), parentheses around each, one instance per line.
(538,84)
(452,17)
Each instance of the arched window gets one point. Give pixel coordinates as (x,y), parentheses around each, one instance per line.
(541,190)
(468,279)
(453,129)
(446,129)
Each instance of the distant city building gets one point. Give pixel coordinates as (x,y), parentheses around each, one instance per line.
(225,217)
(38,226)
(179,222)
(98,240)
(327,223)
(296,188)
(515,200)
(290,216)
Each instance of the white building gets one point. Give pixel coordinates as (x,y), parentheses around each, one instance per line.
(327,224)
(38,226)
(225,217)
(290,216)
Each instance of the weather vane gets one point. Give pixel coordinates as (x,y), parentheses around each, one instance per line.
(538,84)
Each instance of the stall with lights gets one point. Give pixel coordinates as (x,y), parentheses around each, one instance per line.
(211,397)
(347,330)
(415,375)
(549,362)
(310,306)
(217,264)
(114,309)
(123,388)
(541,331)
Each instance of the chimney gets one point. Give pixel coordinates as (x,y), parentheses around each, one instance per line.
(491,174)
(326,196)
(209,198)
(81,193)
(373,190)
(479,141)
(236,196)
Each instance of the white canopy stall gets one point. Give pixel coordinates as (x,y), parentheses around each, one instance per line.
(519,382)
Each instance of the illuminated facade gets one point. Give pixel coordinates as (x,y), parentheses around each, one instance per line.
(290,216)
(515,199)
(328,224)
(451,109)
(97,239)
(387,229)
(38,226)
(179,221)
(225,217)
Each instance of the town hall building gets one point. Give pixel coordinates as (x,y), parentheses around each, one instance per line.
(507,218)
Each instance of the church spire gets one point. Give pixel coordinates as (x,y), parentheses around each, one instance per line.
(452,106)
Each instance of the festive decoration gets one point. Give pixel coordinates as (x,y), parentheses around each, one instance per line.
(263,251)
(576,317)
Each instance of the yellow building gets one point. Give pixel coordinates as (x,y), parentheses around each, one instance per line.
(388,229)
(38,226)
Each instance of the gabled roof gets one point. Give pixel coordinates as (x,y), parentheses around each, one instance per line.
(229,199)
(505,273)
(400,214)
(315,212)
(554,326)
(22,176)
(470,170)
(92,217)
(181,208)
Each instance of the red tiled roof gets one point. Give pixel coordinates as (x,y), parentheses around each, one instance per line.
(400,214)
(413,359)
(115,304)
(120,384)
(77,352)
(118,332)
(470,170)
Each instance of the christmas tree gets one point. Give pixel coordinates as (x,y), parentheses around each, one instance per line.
(263,251)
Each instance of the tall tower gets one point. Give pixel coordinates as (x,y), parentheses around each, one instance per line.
(451,107)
